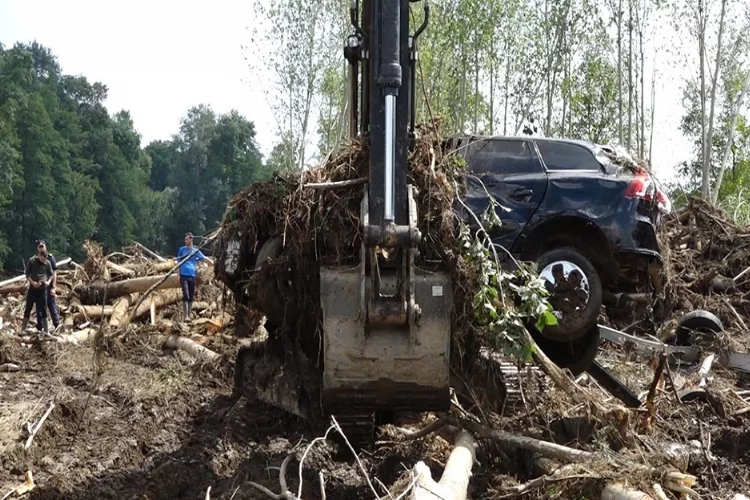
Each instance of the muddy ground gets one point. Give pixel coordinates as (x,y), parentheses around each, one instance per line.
(159,425)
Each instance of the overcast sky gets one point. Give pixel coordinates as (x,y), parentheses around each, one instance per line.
(160,57)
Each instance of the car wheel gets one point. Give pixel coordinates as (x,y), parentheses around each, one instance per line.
(697,328)
(576,355)
(575,293)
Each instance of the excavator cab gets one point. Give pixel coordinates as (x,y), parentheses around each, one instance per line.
(386,322)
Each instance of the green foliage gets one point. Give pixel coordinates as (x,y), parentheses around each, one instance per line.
(503,301)
(70,171)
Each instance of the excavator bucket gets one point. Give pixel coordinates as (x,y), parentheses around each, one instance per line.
(384,365)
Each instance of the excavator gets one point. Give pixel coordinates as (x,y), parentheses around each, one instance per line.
(386,323)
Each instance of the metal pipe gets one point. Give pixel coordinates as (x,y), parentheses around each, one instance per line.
(390,157)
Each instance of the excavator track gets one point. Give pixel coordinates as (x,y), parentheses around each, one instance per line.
(358,426)
(518,382)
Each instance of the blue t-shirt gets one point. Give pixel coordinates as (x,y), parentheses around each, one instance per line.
(188,269)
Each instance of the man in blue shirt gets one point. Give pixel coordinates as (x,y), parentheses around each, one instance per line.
(188,273)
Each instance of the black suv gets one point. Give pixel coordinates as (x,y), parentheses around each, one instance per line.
(588,222)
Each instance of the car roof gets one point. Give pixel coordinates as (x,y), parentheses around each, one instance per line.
(578,142)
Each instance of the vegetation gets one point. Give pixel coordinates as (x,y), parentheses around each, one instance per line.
(579,68)
(70,171)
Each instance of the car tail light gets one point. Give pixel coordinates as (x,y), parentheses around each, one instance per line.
(644,187)
(641,187)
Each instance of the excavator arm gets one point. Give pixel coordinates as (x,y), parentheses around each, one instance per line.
(386,323)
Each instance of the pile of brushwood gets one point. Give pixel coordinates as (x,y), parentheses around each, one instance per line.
(316,218)
(707,265)
(132,286)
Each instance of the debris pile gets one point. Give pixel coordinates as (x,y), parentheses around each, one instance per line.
(707,261)
(133,286)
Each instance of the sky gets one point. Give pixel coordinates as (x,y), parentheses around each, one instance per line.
(159,58)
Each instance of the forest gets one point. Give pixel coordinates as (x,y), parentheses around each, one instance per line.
(71,170)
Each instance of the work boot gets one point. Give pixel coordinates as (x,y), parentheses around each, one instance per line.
(185,311)
(24,325)
(45,326)
(189,310)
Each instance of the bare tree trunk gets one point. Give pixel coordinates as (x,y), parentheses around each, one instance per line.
(619,69)
(643,90)
(630,74)
(476,89)
(730,139)
(492,86)
(715,83)
(702,57)
(507,89)
(653,108)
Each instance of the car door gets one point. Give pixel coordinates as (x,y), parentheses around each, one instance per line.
(508,170)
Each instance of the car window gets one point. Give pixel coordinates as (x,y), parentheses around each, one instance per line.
(501,157)
(564,156)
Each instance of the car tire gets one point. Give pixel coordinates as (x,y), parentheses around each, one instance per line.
(697,327)
(577,355)
(576,325)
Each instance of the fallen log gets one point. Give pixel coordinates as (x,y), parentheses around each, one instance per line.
(85,335)
(120,310)
(22,277)
(120,269)
(15,288)
(85,313)
(190,346)
(617,491)
(160,299)
(454,482)
(94,293)
(149,252)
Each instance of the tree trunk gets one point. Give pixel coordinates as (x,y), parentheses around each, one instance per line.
(630,74)
(120,309)
(619,70)
(160,299)
(714,84)
(730,139)
(702,58)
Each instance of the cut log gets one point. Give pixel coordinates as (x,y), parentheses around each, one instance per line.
(94,293)
(190,346)
(85,335)
(454,482)
(617,491)
(84,313)
(120,269)
(14,288)
(120,310)
(149,252)
(160,299)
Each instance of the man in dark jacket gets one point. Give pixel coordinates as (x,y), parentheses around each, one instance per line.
(52,290)
(39,275)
